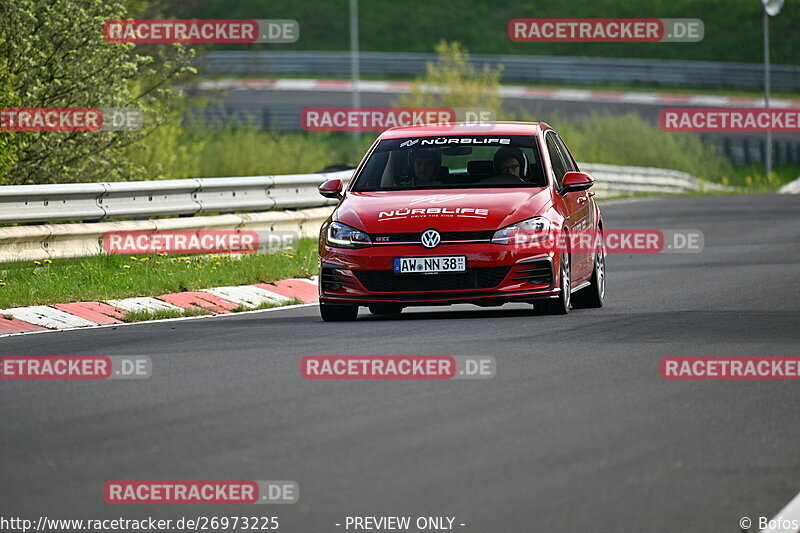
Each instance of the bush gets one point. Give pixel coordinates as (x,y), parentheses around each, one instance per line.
(248,151)
(54,55)
(596,137)
(454,82)
(630,140)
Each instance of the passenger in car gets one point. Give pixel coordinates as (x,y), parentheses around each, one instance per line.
(510,160)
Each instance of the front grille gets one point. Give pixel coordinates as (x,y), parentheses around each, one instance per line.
(383,238)
(536,272)
(473,278)
(467,235)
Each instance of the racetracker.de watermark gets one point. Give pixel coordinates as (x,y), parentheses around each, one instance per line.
(397,367)
(70,119)
(75,367)
(730,368)
(241,31)
(622,241)
(382,118)
(201,492)
(729,120)
(147,524)
(586,30)
(199,242)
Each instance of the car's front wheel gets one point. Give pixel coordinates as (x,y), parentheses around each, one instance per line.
(338,313)
(559,305)
(592,296)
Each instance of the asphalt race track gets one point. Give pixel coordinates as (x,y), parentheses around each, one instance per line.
(340,98)
(551,111)
(577,431)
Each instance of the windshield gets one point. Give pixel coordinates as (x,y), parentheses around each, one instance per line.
(453,162)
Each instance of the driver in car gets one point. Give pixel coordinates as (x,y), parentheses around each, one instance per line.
(509,160)
(425,164)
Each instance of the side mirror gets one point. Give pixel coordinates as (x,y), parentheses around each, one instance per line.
(331,189)
(576,181)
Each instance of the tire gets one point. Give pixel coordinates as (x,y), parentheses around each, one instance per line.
(385,309)
(561,304)
(338,313)
(592,296)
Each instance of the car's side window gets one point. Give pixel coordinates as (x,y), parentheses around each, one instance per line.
(569,163)
(555,158)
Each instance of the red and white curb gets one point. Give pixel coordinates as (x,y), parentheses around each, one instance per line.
(507,91)
(219,300)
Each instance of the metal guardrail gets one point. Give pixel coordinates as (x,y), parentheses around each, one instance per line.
(620,180)
(60,241)
(750,150)
(149,199)
(261,203)
(544,69)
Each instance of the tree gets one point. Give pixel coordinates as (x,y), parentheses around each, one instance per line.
(10,142)
(454,82)
(55,56)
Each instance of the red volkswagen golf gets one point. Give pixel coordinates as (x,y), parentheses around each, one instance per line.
(438,216)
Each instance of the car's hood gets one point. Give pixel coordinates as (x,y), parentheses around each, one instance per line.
(444,209)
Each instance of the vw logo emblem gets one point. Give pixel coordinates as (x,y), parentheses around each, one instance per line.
(431,238)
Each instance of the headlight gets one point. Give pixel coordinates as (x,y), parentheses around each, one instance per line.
(344,236)
(531,230)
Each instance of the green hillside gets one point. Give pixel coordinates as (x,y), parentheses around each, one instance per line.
(732,27)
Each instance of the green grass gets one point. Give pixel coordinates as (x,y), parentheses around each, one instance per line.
(732,27)
(751,178)
(266,305)
(248,151)
(161,314)
(595,137)
(602,137)
(120,276)
(238,150)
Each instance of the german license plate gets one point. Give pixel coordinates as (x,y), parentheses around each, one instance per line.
(428,265)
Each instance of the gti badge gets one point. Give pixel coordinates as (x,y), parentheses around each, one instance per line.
(431,238)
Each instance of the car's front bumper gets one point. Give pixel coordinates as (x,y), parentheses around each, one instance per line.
(495,274)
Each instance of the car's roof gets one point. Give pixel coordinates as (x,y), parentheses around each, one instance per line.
(460,128)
